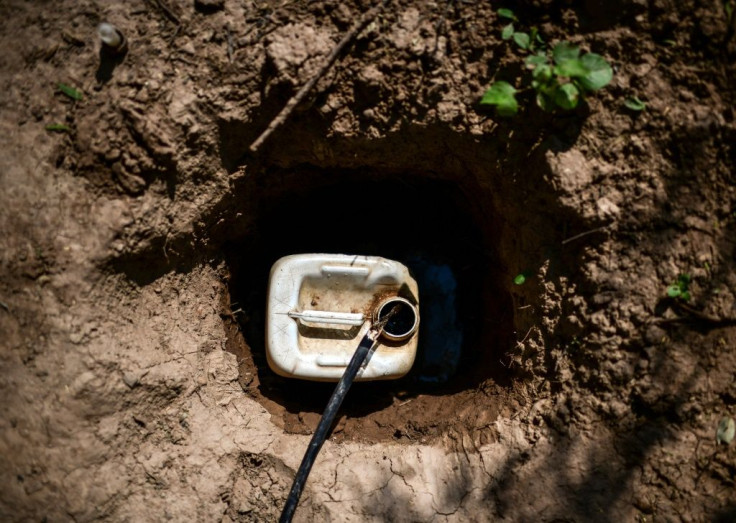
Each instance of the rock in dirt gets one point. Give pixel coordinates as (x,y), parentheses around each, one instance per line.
(726,431)
(131,379)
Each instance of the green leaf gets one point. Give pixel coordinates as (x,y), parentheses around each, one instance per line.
(683,280)
(522,40)
(726,431)
(633,103)
(57,128)
(566,96)
(502,95)
(600,72)
(507,32)
(673,291)
(573,68)
(519,279)
(685,295)
(506,13)
(564,51)
(71,92)
(535,60)
(544,102)
(541,75)
(533,33)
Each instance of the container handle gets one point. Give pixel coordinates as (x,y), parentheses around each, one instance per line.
(345,270)
(338,318)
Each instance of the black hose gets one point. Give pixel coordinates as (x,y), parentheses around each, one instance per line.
(320,434)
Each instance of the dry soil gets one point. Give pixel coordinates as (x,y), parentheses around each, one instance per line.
(135,247)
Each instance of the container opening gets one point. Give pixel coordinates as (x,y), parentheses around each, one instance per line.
(402,323)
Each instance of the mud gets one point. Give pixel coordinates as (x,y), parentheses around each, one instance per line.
(136,248)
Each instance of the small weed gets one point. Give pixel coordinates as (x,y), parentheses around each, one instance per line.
(502,95)
(519,279)
(633,103)
(560,75)
(680,289)
(507,13)
(70,91)
(525,41)
(57,128)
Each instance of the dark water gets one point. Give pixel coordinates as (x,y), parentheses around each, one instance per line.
(440,328)
(402,320)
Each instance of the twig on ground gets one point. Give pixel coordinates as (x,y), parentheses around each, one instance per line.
(4,306)
(302,93)
(696,315)
(527,334)
(706,318)
(261,24)
(167,11)
(584,234)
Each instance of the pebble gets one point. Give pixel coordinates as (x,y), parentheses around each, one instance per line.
(131,379)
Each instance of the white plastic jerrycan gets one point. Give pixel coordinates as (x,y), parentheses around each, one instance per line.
(321,305)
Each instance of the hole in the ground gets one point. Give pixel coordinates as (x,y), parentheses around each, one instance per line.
(432,226)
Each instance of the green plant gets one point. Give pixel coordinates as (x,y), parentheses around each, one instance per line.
(519,279)
(503,96)
(560,75)
(70,91)
(57,128)
(524,40)
(633,103)
(681,288)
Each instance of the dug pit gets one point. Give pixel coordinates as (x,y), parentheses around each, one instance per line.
(436,227)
